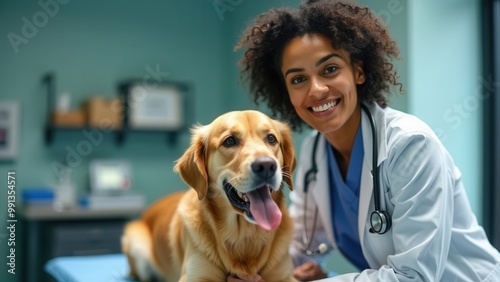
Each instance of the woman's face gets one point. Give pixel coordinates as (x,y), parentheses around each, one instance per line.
(321,82)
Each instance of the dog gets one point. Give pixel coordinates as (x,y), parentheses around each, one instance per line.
(234,220)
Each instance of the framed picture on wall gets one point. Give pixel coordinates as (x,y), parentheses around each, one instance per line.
(9,129)
(155,108)
(162,106)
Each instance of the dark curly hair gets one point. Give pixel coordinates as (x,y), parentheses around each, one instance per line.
(350,27)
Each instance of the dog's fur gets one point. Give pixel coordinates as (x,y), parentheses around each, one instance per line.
(199,235)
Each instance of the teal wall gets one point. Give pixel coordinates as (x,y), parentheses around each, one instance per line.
(446,79)
(92,45)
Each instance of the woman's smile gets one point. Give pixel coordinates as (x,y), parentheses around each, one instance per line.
(327,106)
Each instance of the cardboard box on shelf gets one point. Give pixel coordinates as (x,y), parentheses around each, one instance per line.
(75,118)
(105,114)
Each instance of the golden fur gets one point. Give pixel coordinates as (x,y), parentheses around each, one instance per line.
(198,235)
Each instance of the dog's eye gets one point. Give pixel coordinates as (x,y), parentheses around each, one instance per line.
(271,139)
(231,141)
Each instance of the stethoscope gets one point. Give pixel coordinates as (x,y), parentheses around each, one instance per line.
(379,220)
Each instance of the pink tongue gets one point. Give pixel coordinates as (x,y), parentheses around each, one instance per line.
(263,208)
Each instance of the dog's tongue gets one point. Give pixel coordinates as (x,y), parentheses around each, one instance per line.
(263,208)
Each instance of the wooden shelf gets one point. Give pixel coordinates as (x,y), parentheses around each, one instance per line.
(120,134)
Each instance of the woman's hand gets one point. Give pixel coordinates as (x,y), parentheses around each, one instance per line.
(245,278)
(308,271)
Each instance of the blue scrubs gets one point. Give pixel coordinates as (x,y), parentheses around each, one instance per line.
(344,197)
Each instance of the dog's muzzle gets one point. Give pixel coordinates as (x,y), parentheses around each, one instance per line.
(258,206)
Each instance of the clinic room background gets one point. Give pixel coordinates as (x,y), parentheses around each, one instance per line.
(89,47)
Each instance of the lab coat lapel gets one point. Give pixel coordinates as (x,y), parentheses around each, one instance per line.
(381,129)
(366,193)
(366,203)
(322,196)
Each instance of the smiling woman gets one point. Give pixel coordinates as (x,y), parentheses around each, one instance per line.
(359,36)
(384,191)
(309,79)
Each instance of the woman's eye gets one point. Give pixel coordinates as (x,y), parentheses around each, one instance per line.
(271,139)
(298,79)
(231,141)
(330,69)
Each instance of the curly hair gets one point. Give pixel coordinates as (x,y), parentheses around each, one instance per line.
(350,27)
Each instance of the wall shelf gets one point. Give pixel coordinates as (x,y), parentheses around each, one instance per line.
(124,88)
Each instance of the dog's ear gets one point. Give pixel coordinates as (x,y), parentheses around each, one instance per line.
(288,152)
(192,165)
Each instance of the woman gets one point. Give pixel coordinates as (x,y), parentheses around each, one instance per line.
(320,65)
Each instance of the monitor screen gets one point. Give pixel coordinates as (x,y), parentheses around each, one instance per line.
(109,176)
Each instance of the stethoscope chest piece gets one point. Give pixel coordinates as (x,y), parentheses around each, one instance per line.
(380,222)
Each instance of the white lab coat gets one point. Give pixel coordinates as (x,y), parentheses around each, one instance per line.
(434,236)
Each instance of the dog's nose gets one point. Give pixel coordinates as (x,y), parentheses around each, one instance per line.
(264,167)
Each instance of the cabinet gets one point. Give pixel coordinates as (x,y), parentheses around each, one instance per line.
(73,232)
(182,107)
(89,237)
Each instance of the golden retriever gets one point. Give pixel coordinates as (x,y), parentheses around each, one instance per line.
(234,221)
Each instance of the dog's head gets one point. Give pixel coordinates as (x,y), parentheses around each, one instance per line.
(245,156)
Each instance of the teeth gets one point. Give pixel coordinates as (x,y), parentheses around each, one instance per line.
(325,107)
(243,196)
